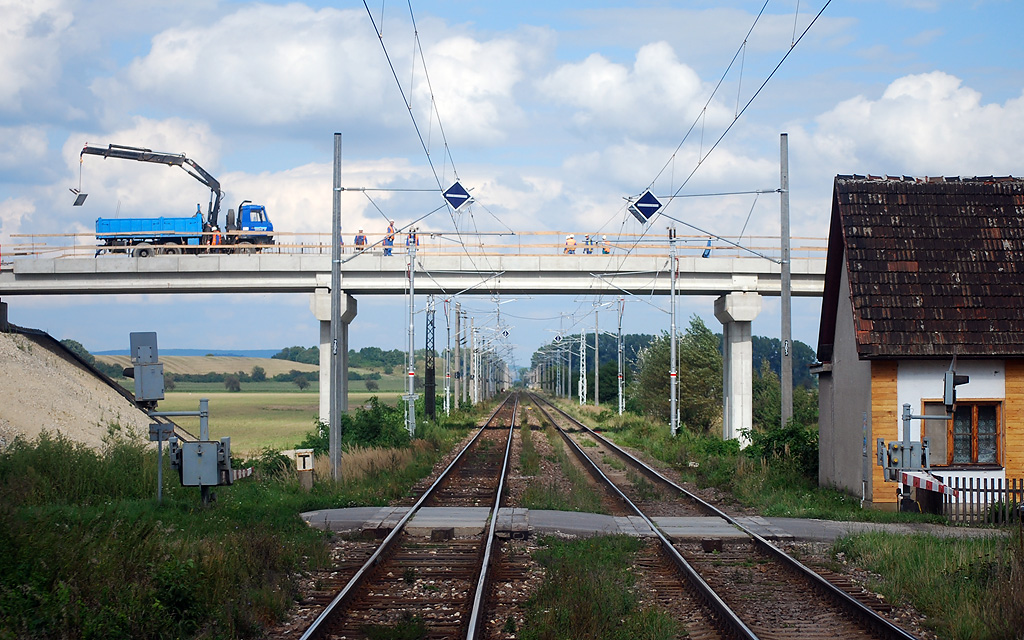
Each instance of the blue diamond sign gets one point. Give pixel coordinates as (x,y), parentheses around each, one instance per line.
(645,207)
(457,196)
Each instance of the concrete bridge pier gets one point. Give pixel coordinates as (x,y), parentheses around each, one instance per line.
(320,305)
(736,311)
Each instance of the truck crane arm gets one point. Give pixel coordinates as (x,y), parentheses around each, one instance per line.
(190,167)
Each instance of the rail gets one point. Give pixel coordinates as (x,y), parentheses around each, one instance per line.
(319,625)
(528,243)
(877,623)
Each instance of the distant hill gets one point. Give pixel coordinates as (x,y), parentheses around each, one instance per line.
(237,353)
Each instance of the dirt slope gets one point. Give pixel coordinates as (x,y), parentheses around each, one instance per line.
(41,390)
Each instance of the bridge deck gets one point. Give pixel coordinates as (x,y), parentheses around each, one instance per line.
(374,274)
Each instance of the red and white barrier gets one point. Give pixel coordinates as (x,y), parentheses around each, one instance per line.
(926,482)
(240,473)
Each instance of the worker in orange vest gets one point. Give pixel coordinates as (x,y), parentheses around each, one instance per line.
(570,244)
(360,240)
(389,238)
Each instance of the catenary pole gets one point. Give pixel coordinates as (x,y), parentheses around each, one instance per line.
(334,420)
(597,355)
(622,404)
(410,398)
(672,374)
(786,359)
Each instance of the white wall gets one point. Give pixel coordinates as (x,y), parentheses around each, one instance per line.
(919,380)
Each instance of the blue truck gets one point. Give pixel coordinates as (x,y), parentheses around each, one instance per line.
(246,230)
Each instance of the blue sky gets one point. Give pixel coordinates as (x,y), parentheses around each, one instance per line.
(552,113)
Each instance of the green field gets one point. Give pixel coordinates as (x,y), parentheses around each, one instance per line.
(257,420)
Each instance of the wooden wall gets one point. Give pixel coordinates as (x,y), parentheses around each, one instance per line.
(1013,420)
(885,421)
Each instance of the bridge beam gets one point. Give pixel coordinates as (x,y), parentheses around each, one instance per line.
(320,305)
(736,311)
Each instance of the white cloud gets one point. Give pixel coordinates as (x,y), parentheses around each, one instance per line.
(658,94)
(474,83)
(20,146)
(30,44)
(12,212)
(922,124)
(270,66)
(263,65)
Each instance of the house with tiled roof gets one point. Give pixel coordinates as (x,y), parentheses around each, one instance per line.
(920,270)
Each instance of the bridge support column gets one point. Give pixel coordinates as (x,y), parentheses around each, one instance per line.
(320,305)
(736,311)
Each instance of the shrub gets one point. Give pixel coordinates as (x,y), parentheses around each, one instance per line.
(232,383)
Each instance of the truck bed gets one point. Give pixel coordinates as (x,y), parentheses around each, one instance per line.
(180,230)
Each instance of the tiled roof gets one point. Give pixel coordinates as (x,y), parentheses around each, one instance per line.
(935,266)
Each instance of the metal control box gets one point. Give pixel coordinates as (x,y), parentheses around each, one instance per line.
(149,382)
(199,463)
(143,347)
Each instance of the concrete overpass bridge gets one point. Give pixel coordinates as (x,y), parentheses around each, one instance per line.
(737,279)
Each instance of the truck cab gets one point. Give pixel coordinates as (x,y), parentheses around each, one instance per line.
(250,224)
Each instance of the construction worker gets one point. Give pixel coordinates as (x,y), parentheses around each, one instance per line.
(389,238)
(605,249)
(360,240)
(588,245)
(216,240)
(570,244)
(412,239)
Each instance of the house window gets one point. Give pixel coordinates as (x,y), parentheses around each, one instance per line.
(971,437)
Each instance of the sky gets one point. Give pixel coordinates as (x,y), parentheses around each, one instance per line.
(551,113)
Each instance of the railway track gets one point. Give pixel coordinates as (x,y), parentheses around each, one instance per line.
(430,585)
(751,587)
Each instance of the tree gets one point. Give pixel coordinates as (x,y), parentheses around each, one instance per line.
(232,383)
(699,374)
(372,386)
(259,374)
(301,382)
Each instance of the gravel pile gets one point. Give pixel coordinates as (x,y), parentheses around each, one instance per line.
(41,390)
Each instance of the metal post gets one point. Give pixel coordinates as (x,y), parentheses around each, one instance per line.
(160,468)
(334,419)
(581,384)
(465,360)
(787,319)
(597,358)
(447,362)
(473,370)
(430,384)
(558,372)
(672,374)
(456,364)
(622,402)
(204,419)
(410,409)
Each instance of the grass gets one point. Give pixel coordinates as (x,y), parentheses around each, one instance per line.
(970,588)
(529,459)
(546,494)
(275,420)
(88,552)
(253,422)
(774,487)
(589,592)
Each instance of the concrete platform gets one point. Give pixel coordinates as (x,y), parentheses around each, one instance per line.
(521,523)
(518,523)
